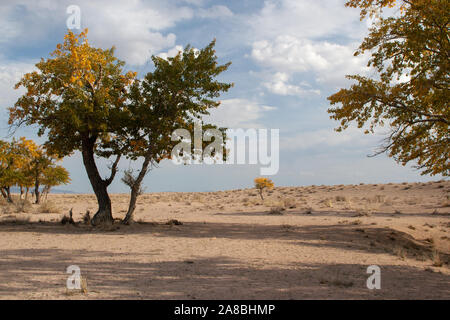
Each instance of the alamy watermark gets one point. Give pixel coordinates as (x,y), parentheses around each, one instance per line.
(241,146)
(74,19)
(74,280)
(374,281)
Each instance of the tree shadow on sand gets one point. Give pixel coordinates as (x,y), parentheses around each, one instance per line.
(349,236)
(40,273)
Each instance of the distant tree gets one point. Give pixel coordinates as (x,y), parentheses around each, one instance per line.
(14,162)
(5,167)
(25,164)
(263,183)
(410,94)
(54,176)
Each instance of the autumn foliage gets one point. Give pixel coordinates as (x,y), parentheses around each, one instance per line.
(26,165)
(409,94)
(84,100)
(263,183)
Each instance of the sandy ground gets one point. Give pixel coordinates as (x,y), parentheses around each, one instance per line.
(299,243)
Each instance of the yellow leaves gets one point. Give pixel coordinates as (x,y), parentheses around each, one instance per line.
(74,78)
(137,145)
(131,74)
(23,162)
(412,45)
(263,183)
(373,7)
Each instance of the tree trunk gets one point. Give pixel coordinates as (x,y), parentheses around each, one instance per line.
(100,186)
(21,193)
(26,193)
(2,190)
(136,190)
(8,194)
(37,193)
(47,191)
(132,206)
(261,194)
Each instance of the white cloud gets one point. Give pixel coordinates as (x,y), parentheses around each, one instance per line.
(317,38)
(135,27)
(279,84)
(306,19)
(238,113)
(195,2)
(326,138)
(214,12)
(171,53)
(175,50)
(10,74)
(328,61)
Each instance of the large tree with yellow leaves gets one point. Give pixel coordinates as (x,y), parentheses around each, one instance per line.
(410,94)
(77,98)
(83,100)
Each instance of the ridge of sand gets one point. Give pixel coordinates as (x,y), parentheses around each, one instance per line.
(311,242)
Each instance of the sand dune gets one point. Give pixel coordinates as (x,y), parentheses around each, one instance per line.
(311,242)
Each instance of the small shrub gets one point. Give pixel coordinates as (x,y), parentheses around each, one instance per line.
(16,220)
(379,198)
(68,219)
(48,207)
(436,257)
(7,209)
(289,203)
(277,210)
(3,202)
(87,217)
(400,252)
(328,203)
(22,206)
(174,222)
(363,213)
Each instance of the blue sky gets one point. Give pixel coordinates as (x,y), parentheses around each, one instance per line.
(287,57)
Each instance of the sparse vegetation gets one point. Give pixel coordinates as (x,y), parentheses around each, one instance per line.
(277,210)
(262,184)
(48,207)
(289,203)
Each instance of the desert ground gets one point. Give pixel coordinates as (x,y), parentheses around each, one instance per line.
(312,242)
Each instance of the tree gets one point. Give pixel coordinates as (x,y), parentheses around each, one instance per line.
(23,163)
(54,176)
(261,184)
(410,53)
(174,96)
(83,100)
(5,168)
(14,163)
(78,99)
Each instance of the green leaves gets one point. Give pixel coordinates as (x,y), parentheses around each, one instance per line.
(177,93)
